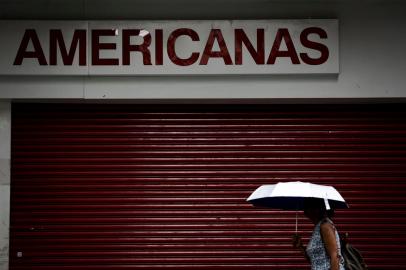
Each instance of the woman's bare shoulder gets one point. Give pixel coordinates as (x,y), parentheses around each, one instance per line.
(327,226)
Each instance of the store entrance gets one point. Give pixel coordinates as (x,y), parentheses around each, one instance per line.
(100,186)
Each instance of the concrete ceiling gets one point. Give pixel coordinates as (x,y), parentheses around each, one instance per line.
(180,9)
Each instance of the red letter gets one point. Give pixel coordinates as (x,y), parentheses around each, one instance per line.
(159,47)
(216,34)
(258,55)
(56,38)
(304,39)
(283,33)
(22,53)
(143,48)
(171,47)
(97,46)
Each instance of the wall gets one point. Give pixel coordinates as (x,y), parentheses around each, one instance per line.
(372,54)
(5,139)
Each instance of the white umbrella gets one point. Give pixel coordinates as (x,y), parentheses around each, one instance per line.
(291,196)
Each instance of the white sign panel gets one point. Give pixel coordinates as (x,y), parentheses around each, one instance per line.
(169,47)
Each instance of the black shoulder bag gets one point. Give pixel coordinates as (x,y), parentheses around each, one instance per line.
(353,259)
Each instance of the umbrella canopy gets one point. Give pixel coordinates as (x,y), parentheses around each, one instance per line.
(291,195)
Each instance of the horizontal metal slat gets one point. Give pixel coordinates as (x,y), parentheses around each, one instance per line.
(171,185)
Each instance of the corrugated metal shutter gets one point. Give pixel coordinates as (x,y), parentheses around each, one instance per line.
(164,187)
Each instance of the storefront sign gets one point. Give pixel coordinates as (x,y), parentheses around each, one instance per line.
(169,47)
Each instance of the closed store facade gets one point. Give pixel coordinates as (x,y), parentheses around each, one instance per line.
(132,132)
(98,186)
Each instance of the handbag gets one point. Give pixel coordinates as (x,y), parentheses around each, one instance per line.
(353,259)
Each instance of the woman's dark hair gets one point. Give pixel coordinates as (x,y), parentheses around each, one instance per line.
(319,204)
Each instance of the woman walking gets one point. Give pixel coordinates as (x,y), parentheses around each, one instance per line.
(323,250)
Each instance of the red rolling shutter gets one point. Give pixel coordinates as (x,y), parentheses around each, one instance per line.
(164,187)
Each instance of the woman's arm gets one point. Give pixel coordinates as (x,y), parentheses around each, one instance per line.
(329,239)
(297,243)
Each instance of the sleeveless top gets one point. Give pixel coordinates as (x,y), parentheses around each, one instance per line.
(316,251)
